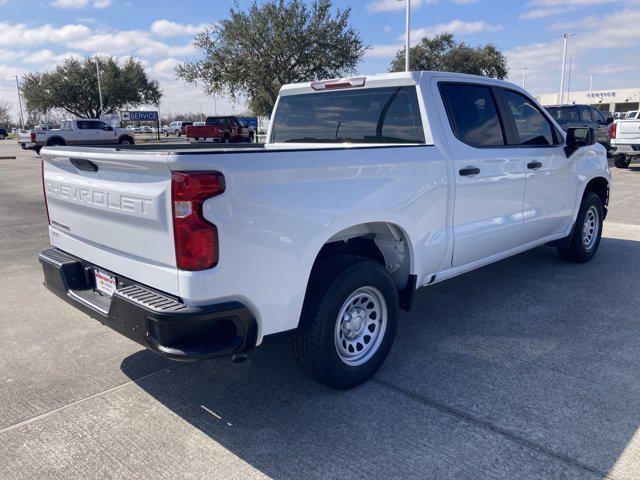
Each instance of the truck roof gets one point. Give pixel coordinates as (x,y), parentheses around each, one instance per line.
(395,79)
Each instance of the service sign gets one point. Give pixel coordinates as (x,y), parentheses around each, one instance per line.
(139,116)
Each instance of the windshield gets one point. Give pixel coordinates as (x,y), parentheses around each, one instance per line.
(564,115)
(375,115)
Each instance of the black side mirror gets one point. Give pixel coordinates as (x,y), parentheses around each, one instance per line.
(577,138)
(108,128)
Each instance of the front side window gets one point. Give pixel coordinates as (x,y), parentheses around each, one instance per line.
(473,114)
(373,115)
(532,126)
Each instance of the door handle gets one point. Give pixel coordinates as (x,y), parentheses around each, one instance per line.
(468,171)
(534,165)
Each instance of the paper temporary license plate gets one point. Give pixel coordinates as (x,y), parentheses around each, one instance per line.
(105,283)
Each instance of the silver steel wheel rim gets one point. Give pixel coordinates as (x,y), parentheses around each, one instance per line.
(591,228)
(360,326)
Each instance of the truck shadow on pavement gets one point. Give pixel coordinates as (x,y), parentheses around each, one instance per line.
(527,368)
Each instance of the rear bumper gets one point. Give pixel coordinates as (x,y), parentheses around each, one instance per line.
(153,319)
(627,149)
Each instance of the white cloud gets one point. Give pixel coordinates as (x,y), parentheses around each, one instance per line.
(545,12)
(166,28)
(616,31)
(377,6)
(383,51)
(19,34)
(165,68)
(69,3)
(46,58)
(460,27)
(78,4)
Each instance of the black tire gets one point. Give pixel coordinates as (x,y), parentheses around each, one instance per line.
(578,251)
(330,286)
(125,140)
(55,142)
(622,161)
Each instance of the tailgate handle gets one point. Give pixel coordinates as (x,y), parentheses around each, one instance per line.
(84,165)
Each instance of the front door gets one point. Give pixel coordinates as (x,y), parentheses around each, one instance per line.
(489,178)
(551,179)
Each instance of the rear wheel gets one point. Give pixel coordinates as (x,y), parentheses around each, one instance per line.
(622,161)
(55,142)
(348,322)
(126,141)
(587,232)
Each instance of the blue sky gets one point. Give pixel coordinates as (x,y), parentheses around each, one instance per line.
(36,35)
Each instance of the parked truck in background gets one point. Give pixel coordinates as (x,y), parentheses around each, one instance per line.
(625,141)
(82,131)
(572,116)
(222,129)
(367,189)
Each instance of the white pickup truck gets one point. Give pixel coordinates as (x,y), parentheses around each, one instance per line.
(625,141)
(80,132)
(367,189)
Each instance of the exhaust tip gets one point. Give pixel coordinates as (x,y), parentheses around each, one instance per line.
(239,358)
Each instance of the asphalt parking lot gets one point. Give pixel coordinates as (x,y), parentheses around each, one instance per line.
(528,368)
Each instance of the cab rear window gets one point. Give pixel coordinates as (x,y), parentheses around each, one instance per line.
(373,115)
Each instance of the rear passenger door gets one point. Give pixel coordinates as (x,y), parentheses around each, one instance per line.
(551,179)
(489,176)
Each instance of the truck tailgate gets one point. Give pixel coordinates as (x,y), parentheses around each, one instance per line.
(628,130)
(113,210)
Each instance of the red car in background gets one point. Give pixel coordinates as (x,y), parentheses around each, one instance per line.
(227,129)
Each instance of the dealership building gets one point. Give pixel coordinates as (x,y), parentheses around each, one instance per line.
(620,100)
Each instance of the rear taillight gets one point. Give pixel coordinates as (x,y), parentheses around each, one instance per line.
(613,130)
(196,239)
(32,135)
(44,190)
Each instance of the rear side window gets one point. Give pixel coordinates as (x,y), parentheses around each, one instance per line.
(373,115)
(564,115)
(585,114)
(532,126)
(473,114)
(89,125)
(597,115)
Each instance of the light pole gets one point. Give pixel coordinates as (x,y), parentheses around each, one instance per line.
(407,40)
(408,37)
(20,104)
(524,77)
(565,39)
(591,85)
(99,86)
(569,81)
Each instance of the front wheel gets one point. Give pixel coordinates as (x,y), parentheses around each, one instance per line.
(348,323)
(622,161)
(587,232)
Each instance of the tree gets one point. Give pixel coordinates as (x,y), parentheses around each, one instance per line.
(254,52)
(443,53)
(73,86)
(5,114)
